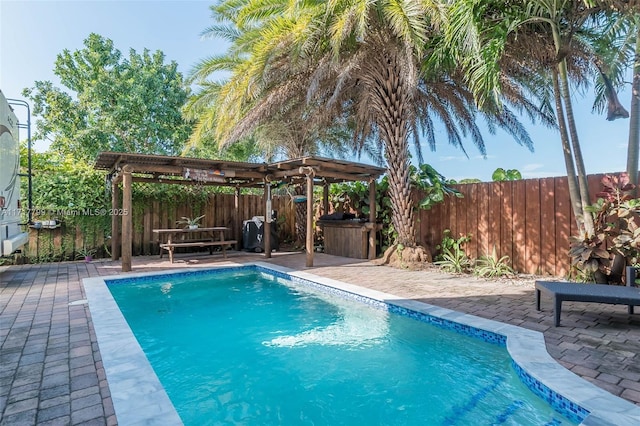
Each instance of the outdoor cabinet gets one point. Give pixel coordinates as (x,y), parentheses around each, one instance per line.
(346,238)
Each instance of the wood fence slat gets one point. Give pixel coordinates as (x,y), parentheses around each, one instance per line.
(506,221)
(147,229)
(494,213)
(471,223)
(461,214)
(483,220)
(595,185)
(532,223)
(547,227)
(445,222)
(519,226)
(564,222)
(434,226)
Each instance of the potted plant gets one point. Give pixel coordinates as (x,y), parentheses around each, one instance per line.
(86,253)
(189,222)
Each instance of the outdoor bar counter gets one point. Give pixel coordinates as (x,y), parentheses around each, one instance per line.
(349,238)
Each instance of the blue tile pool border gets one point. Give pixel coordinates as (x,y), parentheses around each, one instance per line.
(570,395)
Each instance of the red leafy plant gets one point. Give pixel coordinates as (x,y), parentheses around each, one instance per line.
(603,256)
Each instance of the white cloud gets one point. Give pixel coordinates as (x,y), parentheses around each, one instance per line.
(542,174)
(453,158)
(536,170)
(532,167)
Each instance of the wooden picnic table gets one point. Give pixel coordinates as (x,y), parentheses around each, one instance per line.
(171,238)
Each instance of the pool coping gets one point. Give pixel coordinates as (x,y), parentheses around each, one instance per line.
(128,370)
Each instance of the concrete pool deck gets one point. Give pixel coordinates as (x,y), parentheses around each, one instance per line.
(52,369)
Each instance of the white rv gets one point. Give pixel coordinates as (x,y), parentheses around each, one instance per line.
(11,236)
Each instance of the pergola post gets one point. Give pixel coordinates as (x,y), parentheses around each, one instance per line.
(372,219)
(127,218)
(267,220)
(310,173)
(236,231)
(115,220)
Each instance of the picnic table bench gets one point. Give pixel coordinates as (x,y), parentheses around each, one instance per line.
(214,236)
(584,292)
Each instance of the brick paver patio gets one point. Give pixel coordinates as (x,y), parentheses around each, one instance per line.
(51,367)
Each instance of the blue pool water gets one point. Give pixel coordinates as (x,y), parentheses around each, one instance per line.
(243,347)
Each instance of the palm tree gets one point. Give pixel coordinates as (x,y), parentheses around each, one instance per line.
(619,48)
(535,41)
(564,18)
(371,62)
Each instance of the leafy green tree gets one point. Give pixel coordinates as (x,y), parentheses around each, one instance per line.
(501,174)
(111,103)
(433,184)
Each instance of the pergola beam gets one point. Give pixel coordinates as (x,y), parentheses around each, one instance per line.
(194,183)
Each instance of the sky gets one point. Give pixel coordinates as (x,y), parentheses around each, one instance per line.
(33,33)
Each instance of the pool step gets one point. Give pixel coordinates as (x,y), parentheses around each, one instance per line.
(462,410)
(507,413)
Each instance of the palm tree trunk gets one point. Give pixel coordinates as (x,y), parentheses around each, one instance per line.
(392,115)
(585,216)
(574,193)
(633,148)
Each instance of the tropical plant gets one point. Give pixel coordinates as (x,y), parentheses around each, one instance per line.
(451,244)
(589,258)
(112,104)
(190,222)
(454,260)
(616,243)
(433,184)
(85,253)
(489,266)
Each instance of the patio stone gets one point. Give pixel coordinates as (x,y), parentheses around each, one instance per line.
(20,406)
(52,371)
(60,421)
(65,399)
(51,413)
(609,378)
(87,401)
(631,395)
(84,415)
(55,392)
(19,419)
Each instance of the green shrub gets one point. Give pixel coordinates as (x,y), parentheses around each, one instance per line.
(492,267)
(455,261)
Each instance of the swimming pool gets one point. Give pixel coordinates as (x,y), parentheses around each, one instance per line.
(304,380)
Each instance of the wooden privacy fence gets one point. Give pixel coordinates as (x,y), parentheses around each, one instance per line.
(65,241)
(528,220)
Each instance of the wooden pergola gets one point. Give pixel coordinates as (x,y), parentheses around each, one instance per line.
(126,168)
